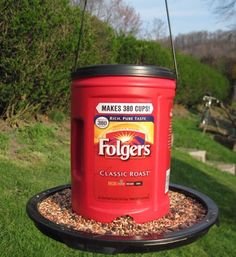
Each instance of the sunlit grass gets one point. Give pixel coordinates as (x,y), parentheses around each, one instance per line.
(21,178)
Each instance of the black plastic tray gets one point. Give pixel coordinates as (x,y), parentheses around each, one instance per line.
(109,244)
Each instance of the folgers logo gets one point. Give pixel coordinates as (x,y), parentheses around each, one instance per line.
(124,144)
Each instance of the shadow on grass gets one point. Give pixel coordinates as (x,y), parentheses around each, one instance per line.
(185,174)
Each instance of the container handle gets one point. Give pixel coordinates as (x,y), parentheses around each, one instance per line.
(77,162)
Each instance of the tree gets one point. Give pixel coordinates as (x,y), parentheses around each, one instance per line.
(217,49)
(122,17)
(156,30)
(225,9)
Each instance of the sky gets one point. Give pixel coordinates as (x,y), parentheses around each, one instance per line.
(185,15)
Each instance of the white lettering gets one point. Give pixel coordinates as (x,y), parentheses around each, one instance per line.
(147,150)
(113,173)
(123,151)
(139,173)
(102,145)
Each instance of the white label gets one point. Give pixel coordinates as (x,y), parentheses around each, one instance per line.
(123,108)
(102,122)
(167,181)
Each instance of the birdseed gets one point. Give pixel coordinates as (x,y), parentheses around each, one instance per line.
(184,212)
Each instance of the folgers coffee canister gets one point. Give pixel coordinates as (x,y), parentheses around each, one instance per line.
(121,141)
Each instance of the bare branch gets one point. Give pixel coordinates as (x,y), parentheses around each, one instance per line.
(225,10)
(122,17)
(155,30)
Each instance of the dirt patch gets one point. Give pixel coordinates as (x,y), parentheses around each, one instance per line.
(4,126)
(180,111)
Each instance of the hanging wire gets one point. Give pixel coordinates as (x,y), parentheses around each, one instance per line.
(172,42)
(80,36)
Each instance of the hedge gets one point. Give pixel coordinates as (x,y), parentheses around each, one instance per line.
(38,40)
(195,78)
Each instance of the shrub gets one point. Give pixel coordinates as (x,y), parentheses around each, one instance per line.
(195,78)
(57,116)
(38,41)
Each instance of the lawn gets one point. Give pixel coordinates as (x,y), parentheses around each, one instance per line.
(187,135)
(36,157)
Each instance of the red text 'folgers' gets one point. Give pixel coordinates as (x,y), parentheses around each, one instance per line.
(121,141)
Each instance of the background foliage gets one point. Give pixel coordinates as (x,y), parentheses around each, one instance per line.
(38,40)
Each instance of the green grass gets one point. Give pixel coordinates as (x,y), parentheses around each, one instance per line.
(22,177)
(4,142)
(57,116)
(188,135)
(37,134)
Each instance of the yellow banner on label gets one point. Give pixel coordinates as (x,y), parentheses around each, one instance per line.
(127,129)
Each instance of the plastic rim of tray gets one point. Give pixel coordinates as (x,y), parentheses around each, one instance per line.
(109,244)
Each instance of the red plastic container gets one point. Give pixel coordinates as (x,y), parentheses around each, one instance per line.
(121,141)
